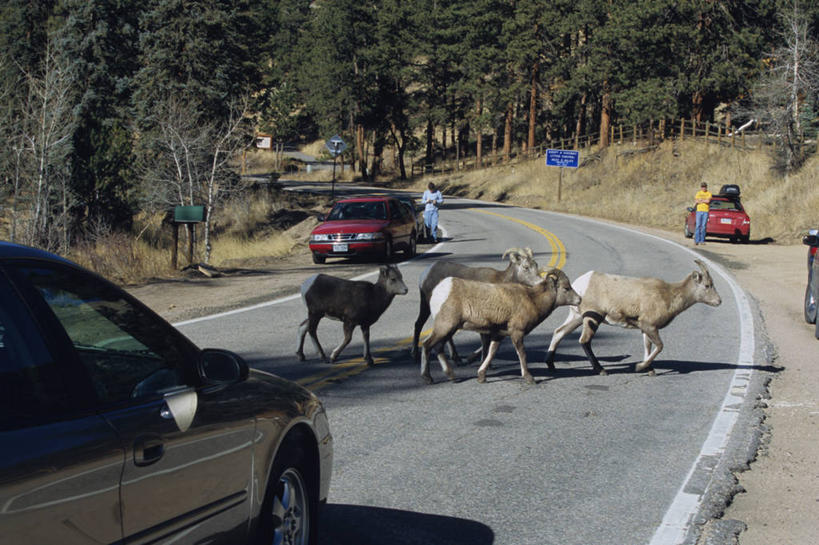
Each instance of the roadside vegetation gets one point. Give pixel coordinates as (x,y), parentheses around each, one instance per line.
(650,189)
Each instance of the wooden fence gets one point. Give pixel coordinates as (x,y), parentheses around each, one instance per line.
(636,137)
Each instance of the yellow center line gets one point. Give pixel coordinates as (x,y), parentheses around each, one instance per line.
(558,258)
(340,371)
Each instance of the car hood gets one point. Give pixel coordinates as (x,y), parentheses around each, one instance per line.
(349,226)
(276,395)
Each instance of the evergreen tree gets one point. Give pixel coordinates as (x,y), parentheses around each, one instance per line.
(101,38)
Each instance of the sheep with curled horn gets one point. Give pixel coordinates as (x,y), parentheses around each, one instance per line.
(522,269)
(647,304)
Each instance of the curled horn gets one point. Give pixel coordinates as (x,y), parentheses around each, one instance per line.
(512,251)
(706,273)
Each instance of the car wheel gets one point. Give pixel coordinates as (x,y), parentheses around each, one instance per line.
(318,258)
(290,508)
(688,233)
(810,300)
(412,248)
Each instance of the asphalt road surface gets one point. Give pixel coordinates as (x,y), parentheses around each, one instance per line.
(577,458)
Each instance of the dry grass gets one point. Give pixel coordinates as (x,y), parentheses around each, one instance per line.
(647,188)
(654,188)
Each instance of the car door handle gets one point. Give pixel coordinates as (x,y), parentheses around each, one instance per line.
(148,450)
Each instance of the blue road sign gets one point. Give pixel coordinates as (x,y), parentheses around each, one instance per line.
(336,145)
(562,158)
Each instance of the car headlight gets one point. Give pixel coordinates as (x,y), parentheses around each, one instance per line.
(369,236)
(320,238)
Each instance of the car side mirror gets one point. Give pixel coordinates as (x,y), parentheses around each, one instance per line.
(222,366)
(810,240)
(321,217)
(690,208)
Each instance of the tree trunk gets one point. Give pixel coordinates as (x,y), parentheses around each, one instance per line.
(479,138)
(605,117)
(580,126)
(430,142)
(360,145)
(507,132)
(532,109)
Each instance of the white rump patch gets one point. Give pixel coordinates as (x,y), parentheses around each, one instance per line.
(424,275)
(306,285)
(581,283)
(439,295)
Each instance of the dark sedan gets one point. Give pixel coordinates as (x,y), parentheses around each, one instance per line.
(374,226)
(812,289)
(114,427)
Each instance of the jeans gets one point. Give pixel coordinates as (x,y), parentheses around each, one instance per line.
(699,231)
(431,221)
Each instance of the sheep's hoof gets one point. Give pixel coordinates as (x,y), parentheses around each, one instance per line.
(450,375)
(529,379)
(603,372)
(300,355)
(427,379)
(651,372)
(370,362)
(550,360)
(481,377)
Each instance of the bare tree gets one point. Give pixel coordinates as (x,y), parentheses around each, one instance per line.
(785,94)
(189,164)
(35,130)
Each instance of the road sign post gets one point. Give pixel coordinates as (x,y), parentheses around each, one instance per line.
(562,158)
(336,146)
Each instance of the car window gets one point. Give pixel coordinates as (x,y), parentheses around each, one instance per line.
(32,387)
(373,210)
(127,352)
(396,211)
(724,205)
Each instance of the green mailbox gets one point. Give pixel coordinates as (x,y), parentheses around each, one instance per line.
(188,214)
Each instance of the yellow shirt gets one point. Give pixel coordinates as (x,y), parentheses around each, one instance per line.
(702,206)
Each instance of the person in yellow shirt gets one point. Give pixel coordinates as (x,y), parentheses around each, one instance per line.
(702,200)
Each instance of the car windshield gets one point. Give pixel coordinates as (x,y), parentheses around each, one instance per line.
(724,205)
(373,210)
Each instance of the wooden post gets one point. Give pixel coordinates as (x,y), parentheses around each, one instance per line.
(175,245)
(707,130)
(621,135)
(682,129)
(733,138)
(634,136)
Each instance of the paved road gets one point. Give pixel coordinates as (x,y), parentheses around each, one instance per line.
(576,459)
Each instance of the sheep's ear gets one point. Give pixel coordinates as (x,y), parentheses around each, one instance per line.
(697,277)
(383,269)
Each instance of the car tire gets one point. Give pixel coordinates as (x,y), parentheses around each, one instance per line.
(318,259)
(688,234)
(290,508)
(412,248)
(810,300)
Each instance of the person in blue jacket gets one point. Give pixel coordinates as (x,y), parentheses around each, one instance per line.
(431,200)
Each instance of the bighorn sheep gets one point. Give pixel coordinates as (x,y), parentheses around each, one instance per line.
(355,303)
(522,269)
(497,310)
(648,304)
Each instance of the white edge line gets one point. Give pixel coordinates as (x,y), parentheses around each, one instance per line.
(286,298)
(677,520)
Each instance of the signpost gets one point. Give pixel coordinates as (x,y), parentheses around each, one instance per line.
(336,146)
(562,158)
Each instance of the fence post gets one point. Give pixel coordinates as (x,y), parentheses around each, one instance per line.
(733,137)
(682,129)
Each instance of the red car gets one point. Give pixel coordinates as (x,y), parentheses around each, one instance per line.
(726,219)
(375,226)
